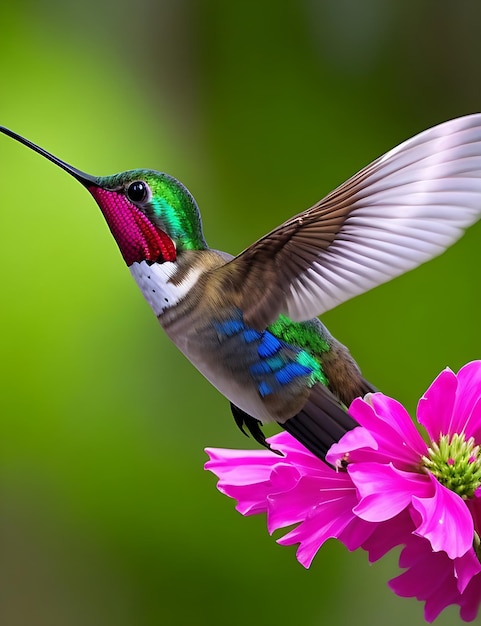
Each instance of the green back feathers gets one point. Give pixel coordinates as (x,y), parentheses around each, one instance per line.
(307,336)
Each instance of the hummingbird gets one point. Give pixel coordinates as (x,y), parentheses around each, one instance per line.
(249,323)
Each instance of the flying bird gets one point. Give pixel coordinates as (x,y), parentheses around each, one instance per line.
(249,322)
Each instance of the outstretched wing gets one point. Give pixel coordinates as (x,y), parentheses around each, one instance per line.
(403,209)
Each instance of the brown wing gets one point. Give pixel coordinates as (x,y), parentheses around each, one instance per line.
(403,209)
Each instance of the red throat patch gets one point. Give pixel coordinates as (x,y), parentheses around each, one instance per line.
(138,239)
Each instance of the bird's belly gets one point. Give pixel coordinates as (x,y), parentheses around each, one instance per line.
(262,375)
(228,378)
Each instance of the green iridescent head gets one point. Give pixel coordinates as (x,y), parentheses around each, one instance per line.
(151,215)
(165,202)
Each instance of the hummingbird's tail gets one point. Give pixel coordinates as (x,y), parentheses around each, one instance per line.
(320,423)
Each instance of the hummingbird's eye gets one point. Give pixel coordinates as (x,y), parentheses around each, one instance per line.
(138,191)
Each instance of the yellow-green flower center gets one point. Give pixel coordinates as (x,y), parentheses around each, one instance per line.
(456,463)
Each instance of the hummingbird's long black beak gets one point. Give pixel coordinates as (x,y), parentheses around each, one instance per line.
(85,179)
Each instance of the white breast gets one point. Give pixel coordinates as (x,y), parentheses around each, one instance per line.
(156,284)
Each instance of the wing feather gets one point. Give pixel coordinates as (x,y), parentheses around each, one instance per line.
(403,209)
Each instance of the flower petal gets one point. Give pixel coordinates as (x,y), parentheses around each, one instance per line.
(435,408)
(384,490)
(328,520)
(465,569)
(393,413)
(245,476)
(357,533)
(429,577)
(470,600)
(434,578)
(467,398)
(391,427)
(388,535)
(298,489)
(241,466)
(446,521)
(290,506)
(473,427)
(356,439)
(295,453)
(474,506)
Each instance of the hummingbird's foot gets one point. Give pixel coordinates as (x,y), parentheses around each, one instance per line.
(253,426)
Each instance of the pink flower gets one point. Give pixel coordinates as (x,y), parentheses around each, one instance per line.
(295,489)
(390,488)
(397,462)
(436,579)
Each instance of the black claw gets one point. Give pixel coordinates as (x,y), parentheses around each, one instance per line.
(239,418)
(253,426)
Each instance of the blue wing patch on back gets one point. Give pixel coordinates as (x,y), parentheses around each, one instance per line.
(271,362)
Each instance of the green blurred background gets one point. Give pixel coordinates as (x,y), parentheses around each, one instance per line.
(260,108)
